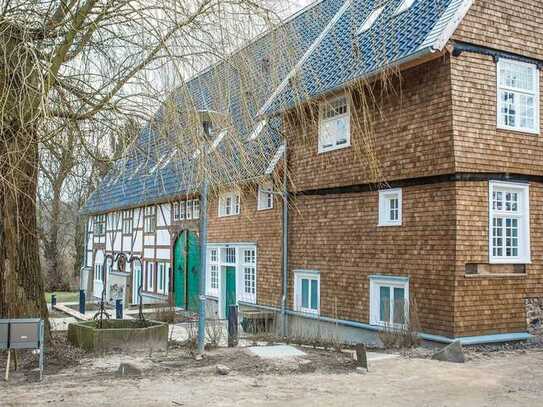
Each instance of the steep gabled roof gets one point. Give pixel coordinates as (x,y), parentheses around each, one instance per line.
(236,88)
(316,52)
(344,54)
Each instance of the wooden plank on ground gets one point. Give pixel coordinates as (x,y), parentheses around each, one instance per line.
(72,312)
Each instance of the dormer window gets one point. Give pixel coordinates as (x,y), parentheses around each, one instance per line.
(334,124)
(368,23)
(404,6)
(208,127)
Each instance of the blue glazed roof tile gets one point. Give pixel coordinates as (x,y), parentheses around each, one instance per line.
(318,50)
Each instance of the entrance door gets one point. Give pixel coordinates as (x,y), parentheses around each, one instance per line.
(186,271)
(230,288)
(193,265)
(179,270)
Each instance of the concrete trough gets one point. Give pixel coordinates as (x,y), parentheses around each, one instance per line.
(119,334)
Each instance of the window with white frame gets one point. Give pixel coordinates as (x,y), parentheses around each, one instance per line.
(150,276)
(518,96)
(149,219)
(127,221)
(161,278)
(334,124)
(188,213)
(390,207)
(509,223)
(195,209)
(175,209)
(404,6)
(100,225)
(229,255)
(229,204)
(99,272)
(307,291)
(113,221)
(213,272)
(265,196)
(249,275)
(389,300)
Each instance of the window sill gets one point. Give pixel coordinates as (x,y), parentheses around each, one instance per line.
(534,132)
(388,224)
(329,149)
(509,261)
(264,209)
(497,275)
(229,216)
(308,311)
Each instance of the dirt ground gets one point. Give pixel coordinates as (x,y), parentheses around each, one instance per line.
(510,377)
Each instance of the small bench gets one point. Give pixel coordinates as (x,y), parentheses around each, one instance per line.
(22,334)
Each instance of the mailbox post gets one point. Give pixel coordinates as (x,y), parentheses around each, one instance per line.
(22,334)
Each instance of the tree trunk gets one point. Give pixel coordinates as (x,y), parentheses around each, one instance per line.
(55,277)
(22,286)
(79,242)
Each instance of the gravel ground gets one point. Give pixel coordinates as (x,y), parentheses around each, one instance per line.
(494,375)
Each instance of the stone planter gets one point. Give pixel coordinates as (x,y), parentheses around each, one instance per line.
(119,335)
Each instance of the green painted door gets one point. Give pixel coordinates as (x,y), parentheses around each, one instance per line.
(230,288)
(193,265)
(179,270)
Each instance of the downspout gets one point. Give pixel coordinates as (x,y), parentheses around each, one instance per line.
(285,243)
(85,257)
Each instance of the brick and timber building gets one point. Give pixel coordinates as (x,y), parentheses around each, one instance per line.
(413,158)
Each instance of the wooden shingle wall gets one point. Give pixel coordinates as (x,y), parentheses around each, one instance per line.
(486,304)
(338,236)
(252,226)
(512,25)
(412,135)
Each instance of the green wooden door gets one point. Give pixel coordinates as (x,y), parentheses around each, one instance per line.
(179,270)
(230,288)
(193,263)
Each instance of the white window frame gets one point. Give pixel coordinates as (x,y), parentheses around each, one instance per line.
(161,278)
(149,219)
(248,266)
(300,275)
(150,276)
(213,262)
(176,210)
(378,281)
(323,106)
(195,209)
(523,216)
(233,209)
(127,222)
(99,272)
(265,198)
(535,93)
(188,210)
(385,196)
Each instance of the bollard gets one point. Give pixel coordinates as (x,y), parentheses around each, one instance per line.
(119,309)
(53,300)
(232,326)
(82,301)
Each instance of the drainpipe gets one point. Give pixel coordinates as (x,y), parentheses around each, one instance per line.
(285,242)
(203,268)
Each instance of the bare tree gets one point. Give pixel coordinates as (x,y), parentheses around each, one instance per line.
(67,65)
